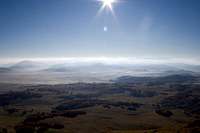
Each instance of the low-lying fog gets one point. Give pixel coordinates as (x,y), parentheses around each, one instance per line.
(88,70)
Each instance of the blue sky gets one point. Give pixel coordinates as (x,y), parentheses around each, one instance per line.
(72,28)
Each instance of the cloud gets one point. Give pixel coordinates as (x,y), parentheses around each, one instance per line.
(105,60)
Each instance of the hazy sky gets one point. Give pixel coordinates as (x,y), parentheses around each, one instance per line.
(72,28)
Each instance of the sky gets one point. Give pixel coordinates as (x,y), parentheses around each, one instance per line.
(161,29)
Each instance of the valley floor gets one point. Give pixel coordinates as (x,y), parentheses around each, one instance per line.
(120,107)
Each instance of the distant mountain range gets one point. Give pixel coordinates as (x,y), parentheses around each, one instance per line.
(39,72)
(64,67)
(28,66)
(181,78)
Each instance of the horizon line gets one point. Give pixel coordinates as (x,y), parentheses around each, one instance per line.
(103,59)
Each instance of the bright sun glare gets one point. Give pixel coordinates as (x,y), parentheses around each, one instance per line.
(108,3)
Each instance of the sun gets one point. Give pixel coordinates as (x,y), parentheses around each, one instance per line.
(107,3)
